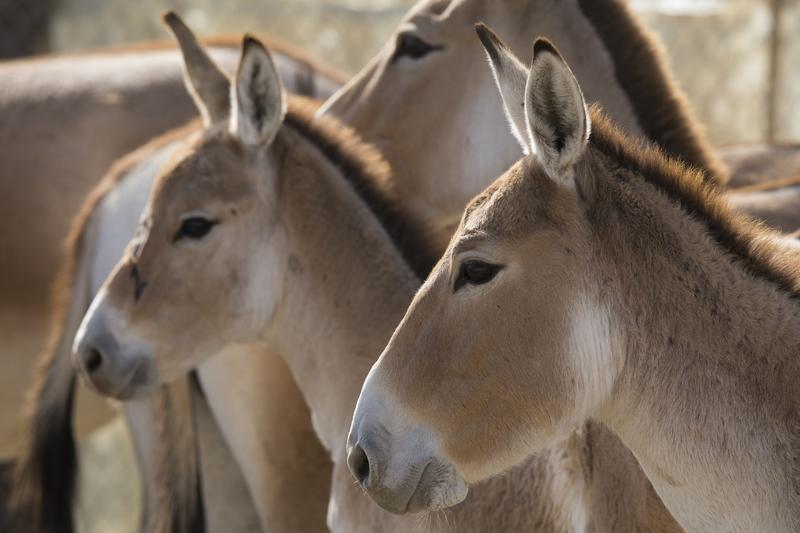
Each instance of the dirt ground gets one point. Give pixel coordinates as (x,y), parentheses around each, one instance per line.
(23,333)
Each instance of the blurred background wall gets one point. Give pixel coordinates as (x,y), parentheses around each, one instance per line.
(734,58)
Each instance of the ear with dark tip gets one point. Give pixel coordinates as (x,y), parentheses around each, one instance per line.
(259,103)
(208,85)
(510,75)
(557,118)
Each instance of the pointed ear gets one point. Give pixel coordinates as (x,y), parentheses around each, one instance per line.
(510,75)
(259,103)
(207,84)
(558,121)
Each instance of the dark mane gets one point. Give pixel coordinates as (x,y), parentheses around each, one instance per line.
(734,232)
(369,175)
(641,69)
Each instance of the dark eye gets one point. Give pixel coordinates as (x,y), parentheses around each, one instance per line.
(194,228)
(409,45)
(475,273)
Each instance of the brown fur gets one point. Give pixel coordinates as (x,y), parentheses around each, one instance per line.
(208,173)
(643,73)
(733,231)
(518,487)
(278,46)
(176,475)
(178,510)
(370,176)
(335,157)
(526,481)
(626,74)
(94,95)
(718,273)
(663,292)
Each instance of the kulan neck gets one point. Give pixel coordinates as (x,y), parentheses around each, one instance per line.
(707,397)
(347,287)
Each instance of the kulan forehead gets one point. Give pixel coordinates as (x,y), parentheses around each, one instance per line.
(208,164)
(521,198)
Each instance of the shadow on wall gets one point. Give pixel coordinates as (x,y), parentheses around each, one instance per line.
(24,27)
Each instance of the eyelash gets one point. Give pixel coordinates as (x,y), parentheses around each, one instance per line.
(203,227)
(475,278)
(409,45)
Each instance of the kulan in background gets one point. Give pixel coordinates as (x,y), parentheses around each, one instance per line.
(749,47)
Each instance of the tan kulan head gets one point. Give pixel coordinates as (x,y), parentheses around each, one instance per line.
(208,241)
(428,93)
(515,337)
(513,276)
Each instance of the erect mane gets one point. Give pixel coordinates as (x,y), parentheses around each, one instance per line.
(740,236)
(369,174)
(641,70)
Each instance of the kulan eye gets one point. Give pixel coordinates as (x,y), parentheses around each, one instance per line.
(474,272)
(411,46)
(194,228)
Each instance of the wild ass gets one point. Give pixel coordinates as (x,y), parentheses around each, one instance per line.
(45,474)
(597,277)
(398,101)
(108,103)
(112,229)
(322,280)
(398,62)
(119,98)
(90,95)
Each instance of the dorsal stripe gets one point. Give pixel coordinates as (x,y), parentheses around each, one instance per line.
(733,232)
(369,175)
(642,72)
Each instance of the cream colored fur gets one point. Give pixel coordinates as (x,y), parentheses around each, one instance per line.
(696,382)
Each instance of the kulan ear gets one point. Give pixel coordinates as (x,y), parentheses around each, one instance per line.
(208,85)
(510,75)
(558,123)
(259,103)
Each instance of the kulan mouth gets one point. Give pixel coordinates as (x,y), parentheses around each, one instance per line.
(126,392)
(414,492)
(439,486)
(388,499)
(137,384)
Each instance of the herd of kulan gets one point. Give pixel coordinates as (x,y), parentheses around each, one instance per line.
(496,282)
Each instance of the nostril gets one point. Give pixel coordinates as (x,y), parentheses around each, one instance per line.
(359,464)
(94,360)
(362,472)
